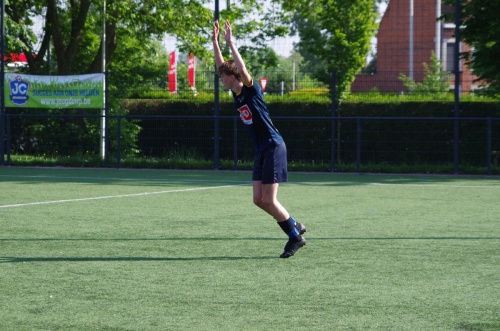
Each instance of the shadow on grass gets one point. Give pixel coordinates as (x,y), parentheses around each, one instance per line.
(245,238)
(8,259)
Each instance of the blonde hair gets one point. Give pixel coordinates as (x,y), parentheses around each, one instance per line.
(229,68)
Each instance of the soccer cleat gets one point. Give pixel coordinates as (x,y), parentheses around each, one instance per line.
(292,247)
(301,228)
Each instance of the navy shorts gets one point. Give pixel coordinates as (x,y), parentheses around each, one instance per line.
(270,165)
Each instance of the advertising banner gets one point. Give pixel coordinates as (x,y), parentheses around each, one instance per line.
(81,91)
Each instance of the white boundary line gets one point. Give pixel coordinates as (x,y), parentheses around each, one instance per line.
(437,185)
(124,179)
(117,196)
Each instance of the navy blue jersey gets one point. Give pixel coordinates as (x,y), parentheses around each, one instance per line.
(254,114)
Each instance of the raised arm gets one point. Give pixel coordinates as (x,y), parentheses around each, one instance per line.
(219,59)
(238,61)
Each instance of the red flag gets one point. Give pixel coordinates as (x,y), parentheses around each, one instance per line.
(191,70)
(172,74)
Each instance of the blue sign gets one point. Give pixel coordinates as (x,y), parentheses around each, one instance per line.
(19,91)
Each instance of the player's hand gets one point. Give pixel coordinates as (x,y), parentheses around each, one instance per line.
(227,32)
(215,35)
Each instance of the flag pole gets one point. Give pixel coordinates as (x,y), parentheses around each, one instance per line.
(102,145)
(2,82)
(216,105)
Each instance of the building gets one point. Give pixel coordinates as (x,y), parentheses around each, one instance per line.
(408,34)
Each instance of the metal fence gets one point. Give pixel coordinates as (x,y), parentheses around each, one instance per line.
(287,83)
(355,144)
(336,143)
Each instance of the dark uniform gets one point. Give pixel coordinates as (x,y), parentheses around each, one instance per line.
(270,163)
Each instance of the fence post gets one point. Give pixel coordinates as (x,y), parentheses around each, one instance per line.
(8,139)
(2,133)
(488,145)
(106,119)
(216,104)
(118,141)
(333,117)
(456,68)
(2,87)
(216,126)
(358,144)
(235,143)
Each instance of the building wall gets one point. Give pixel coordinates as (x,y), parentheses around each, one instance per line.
(393,47)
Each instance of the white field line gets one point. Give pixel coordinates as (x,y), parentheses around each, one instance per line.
(117,196)
(125,179)
(438,185)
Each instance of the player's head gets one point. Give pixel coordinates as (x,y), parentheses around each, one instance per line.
(229,68)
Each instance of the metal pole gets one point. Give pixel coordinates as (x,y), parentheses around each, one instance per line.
(235,143)
(9,136)
(411,41)
(488,146)
(333,117)
(437,43)
(2,87)
(358,144)
(118,141)
(216,106)
(456,56)
(106,118)
(102,145)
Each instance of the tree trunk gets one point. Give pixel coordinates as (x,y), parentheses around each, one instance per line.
(65,54)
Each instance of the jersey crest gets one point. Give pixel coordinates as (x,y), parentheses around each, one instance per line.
(245,114)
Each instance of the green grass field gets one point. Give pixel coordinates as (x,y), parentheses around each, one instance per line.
(88,249)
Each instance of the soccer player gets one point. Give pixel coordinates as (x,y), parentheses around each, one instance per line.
(270,163)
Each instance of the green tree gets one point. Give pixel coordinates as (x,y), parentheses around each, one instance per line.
(71,41)
(435,80)
(286,76)
(72,30)
(334,37)
(148,59)
(480,30)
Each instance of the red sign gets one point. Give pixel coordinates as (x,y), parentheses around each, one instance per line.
(263,83)
(172,74)
(191,70)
